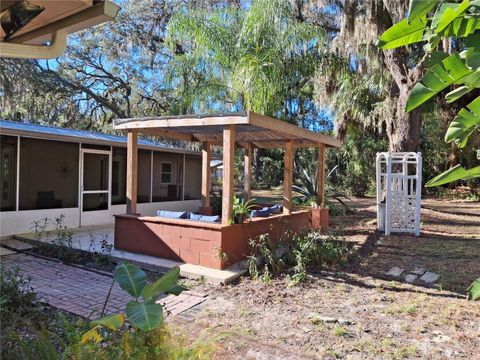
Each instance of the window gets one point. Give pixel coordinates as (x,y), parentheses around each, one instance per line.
(48,174)
(166,173)
(166,177)
(8,174)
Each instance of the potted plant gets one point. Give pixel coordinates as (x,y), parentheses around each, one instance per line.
(241,210)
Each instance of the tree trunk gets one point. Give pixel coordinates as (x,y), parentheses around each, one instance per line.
(404,132)
(404,129)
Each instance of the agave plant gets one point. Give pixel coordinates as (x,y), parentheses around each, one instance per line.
(306,185)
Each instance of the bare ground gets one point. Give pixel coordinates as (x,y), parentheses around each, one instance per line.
(382,318)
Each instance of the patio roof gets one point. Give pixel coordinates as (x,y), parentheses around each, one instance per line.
(54,22)
(260,130)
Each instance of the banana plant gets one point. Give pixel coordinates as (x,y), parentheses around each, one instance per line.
(473,291)
(144,315)
(430,21)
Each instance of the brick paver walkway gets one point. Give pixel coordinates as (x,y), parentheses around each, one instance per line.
(81,291)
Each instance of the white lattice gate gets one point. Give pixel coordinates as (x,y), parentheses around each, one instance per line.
(399,184)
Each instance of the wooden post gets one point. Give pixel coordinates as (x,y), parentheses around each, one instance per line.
(247,187)
(288,178)
(206,155)
(228,165)
(321,176)
(132,166)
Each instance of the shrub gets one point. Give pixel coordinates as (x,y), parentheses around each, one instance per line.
(301,253)
(19,309)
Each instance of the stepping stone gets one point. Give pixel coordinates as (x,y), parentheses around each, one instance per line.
(417,270)
(410,278)
(395,271)
(317,319)
(429,277)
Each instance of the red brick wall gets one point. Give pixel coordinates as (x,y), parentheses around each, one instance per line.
(199,243)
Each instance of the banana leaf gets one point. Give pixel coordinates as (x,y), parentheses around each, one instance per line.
(454,174)
(403,33)
(419,8)
(473,290)
(130,278)
(452,70)
(145,316)
(464,124)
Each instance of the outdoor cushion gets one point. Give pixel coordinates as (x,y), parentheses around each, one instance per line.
(172,214)
(265,212)
(211,219)
(204,218)
(193,216)
(276,209)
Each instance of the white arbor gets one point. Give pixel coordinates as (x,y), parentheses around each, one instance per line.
(399,184)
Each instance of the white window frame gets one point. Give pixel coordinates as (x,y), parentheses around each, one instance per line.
(170,173)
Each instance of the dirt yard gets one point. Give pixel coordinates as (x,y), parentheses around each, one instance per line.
(358,312)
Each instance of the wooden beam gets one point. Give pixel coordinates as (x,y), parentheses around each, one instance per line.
(291,130)
(321,176)
(247,187)
(206,156)
(169,134)
(153,122)
(288,178)
(228,167)
(52,51)
(91,16)
(132,168)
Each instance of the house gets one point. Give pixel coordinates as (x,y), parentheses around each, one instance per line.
(50,171)
(216,170)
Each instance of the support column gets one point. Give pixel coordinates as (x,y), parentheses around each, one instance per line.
(288,178)
(228,167)
(206,183)
(247,187)
(132,166)
(319,215)
(321,176)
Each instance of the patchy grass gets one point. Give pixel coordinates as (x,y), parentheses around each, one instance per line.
(389,319)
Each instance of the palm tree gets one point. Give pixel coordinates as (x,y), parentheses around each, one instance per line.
(250,58)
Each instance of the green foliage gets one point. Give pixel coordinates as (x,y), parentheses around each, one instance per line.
(474,290)
(216,202)
(254,56)
(270,169)
(131,278)
(314,249)
(19,309)
(355,170)
(461,68)
(241,209)
(453,174)
(16,294)
(144,316)
(296,254)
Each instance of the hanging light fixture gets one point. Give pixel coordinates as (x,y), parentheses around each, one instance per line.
(17,16)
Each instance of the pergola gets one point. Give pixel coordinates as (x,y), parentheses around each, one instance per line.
(244,129)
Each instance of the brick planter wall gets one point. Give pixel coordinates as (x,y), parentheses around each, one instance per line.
(199,243)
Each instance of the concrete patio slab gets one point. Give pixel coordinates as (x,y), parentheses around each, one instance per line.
(5,251)
(15,244)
